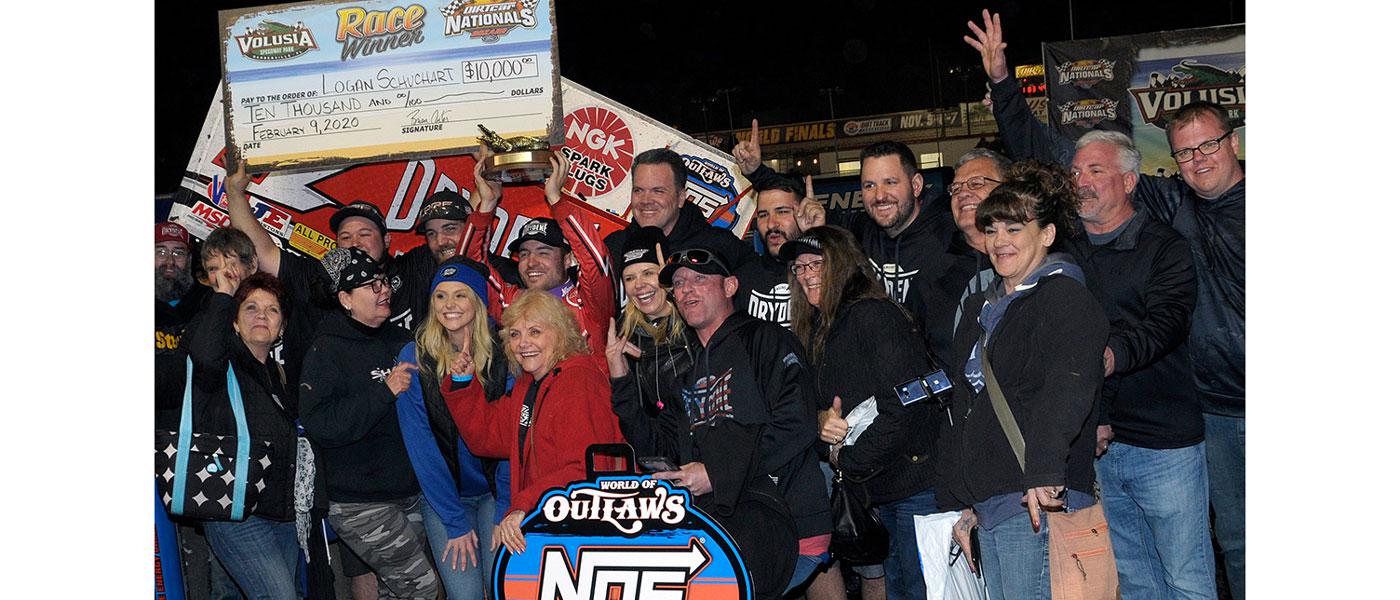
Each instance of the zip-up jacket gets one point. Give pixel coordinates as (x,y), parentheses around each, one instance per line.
(893,458)
(349,413)
(660,371)
(268,407)
(1047,352)
(570,413)
(591,297)
(1214,228)
(1146,284)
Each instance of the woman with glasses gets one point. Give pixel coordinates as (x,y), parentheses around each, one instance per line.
(653,345)
(260,552)
(350,382)
(862,345)
(1036,346)
(558,407)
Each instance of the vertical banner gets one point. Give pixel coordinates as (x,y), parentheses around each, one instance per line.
(1134,84)
(601,137)
(169,580)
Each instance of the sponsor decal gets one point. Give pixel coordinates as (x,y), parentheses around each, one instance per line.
(488,20)
(710,186)
(314,243)
(600,150)
(621,538)
(632,255)
(1088,112)
(867,126)
(1030,71)
(1187,82)
(771,305)
(272,217)
(275,41)
(1086,73)
(367,32)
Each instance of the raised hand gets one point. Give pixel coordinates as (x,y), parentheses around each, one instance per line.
(488,193)
(834,427)
(618,346)
(989,43)
(749,153)
(554,184)
(462,364)
(236,183)
(810,212)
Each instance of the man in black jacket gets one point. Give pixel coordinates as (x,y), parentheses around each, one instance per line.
(659,200)
(1205,204)
(745,433)
(1152,461)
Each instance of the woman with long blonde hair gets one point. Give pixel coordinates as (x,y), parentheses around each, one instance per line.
(465,494)
(654,347)
(559,406)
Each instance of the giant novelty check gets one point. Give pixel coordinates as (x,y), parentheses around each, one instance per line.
(323,83)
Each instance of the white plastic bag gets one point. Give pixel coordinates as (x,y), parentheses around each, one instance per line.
(945,581)
(859,418)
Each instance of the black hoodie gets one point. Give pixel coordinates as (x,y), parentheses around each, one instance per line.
(764,290)
(691,231)
(349,412)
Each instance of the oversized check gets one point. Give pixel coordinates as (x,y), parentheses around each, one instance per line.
(323,83)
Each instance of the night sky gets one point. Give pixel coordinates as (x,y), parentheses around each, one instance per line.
(668,59)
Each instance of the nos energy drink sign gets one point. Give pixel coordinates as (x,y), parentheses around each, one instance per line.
(621,538)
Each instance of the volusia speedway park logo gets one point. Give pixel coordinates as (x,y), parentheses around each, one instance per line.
(275,41)
(621,538)
(1187,82)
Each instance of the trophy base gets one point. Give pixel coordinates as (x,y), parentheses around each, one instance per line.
(524,166)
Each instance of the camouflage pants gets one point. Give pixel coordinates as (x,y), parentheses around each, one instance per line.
(389,537)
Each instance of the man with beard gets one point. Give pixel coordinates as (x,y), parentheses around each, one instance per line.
(763,283)
(1206,205)
(178,298)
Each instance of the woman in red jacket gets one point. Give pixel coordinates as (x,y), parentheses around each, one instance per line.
(559,406)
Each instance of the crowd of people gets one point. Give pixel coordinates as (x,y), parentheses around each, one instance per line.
(418,406)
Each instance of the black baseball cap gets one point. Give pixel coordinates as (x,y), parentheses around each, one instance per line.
(358,208)
(445,204)
(803,245)
(700,260)
(640,247)
(545,231)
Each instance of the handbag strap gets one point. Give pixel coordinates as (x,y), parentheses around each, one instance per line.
(1002,409)
(182,451)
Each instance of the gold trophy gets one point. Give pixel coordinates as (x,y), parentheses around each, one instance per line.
(520,159)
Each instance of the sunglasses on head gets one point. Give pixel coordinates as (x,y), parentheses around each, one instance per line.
(696,257)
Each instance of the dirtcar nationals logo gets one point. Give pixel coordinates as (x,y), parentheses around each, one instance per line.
(1085,73)
(275,41)
(621,538)
(1088,112)
(488,20)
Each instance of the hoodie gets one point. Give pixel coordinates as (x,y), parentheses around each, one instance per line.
(349,412)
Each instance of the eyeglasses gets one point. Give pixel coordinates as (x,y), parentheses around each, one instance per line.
(696,257)
(973,184)
(814,266)
(1207,148)
(162,252)
(375,284)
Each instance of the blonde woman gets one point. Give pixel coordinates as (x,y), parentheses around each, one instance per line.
(466,496)
(558,406)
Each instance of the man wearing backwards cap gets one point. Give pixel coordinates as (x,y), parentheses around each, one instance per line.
(564,255)
(752,392)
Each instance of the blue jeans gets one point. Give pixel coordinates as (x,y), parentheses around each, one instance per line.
(470,583)
(807,564)
(904,578)
(1016,559)
(1158,514)
(1225,461)
(260,555)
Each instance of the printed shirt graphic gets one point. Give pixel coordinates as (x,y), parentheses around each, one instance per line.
(708,399)
(897,280)
(771,304)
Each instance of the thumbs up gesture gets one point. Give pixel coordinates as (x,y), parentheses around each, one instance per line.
(834,428)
